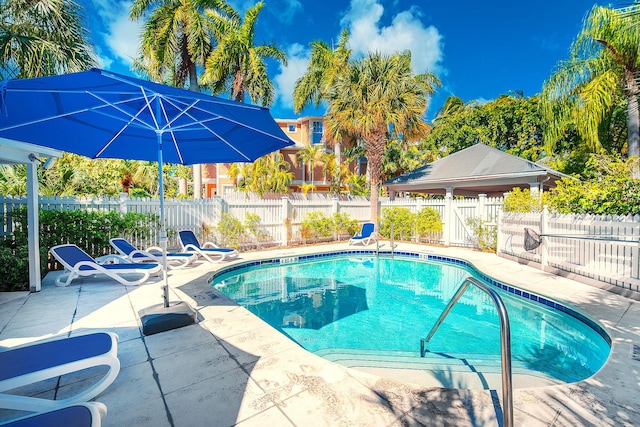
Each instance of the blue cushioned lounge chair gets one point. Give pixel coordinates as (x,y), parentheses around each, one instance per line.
(152,254)
(34,362)
(365,236)
(88,414)
(190,243)
(78,263)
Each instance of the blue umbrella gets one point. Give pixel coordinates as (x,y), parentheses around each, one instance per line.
(100,114)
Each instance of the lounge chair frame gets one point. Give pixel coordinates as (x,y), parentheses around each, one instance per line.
(207,250)
(88,266)
(41,360)
(151,254)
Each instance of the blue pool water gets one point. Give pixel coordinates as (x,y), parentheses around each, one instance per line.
(388,304)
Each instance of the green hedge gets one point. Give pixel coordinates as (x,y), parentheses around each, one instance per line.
(90,230)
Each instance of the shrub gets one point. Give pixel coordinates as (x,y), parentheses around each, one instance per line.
(90,230)
(427,222)
(608,188)
(401,218)
(518,200)
(316,225)
(252,228)
(230,229)
(344,225)
(486,234)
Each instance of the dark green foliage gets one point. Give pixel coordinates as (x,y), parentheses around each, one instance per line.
(90,230)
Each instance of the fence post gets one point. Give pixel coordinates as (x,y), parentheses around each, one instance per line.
(482,201)
(335,206)
(448,214)
(544,256)
(286,223)
(499,237)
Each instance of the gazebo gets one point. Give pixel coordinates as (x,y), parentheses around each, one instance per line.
(13,152)
(476,170)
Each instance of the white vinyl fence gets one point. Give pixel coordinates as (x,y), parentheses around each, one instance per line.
(604,248)
(280,218)
(600,247)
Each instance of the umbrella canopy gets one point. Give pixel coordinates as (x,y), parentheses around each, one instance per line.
(100,114)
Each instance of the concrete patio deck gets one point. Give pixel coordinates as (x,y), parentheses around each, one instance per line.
(231,368)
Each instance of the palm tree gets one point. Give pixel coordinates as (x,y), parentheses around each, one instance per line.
(377,97)
(325,64)
(582,91)
(42,37)
(176,39)
(309,155)
(237,65)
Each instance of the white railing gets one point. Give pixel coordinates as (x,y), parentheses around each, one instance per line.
(601,247)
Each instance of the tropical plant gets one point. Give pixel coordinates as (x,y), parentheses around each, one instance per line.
(325,65)
(269,173)
(427,222)
(252,228)
(608,187)
(309,156)
(582,91)
(511,123)
(91,230)
(176,39)
(484,232)
(519,200)
(237,65)
(43,37)
(397,221)
(374,98)
(230,230)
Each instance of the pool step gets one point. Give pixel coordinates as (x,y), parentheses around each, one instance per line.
(411,360)
(469,370)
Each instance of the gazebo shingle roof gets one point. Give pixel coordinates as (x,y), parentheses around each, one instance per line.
(475,170)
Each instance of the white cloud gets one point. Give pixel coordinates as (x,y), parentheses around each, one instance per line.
(120,35)
(285,80)
(405,32)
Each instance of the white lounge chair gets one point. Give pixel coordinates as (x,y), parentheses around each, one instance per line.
(39,361)
(152,254)
(88,414)
(190,243)
(365,236)
(78,263)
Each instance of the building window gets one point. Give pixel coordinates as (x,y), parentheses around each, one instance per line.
(316,132)
(291,128)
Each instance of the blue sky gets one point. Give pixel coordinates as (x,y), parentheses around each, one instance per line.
(479,50)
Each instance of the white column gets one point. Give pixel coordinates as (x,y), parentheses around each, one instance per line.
(33,227)
(448,215)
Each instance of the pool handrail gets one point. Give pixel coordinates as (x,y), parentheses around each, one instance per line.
(505,341)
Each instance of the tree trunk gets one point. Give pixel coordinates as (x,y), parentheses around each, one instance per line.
(374,148)
(197,169)
(633,125)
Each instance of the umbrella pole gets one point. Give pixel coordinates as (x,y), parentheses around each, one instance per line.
(163,227)
(163,317)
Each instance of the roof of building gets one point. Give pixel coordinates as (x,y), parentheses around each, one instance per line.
(478,169)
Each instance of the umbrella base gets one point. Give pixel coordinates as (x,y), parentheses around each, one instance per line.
(158,318)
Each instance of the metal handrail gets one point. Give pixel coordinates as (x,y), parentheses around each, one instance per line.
(505,342)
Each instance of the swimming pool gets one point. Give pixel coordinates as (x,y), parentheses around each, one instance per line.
(355,305)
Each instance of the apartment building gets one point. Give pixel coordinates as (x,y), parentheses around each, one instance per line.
(303,131)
